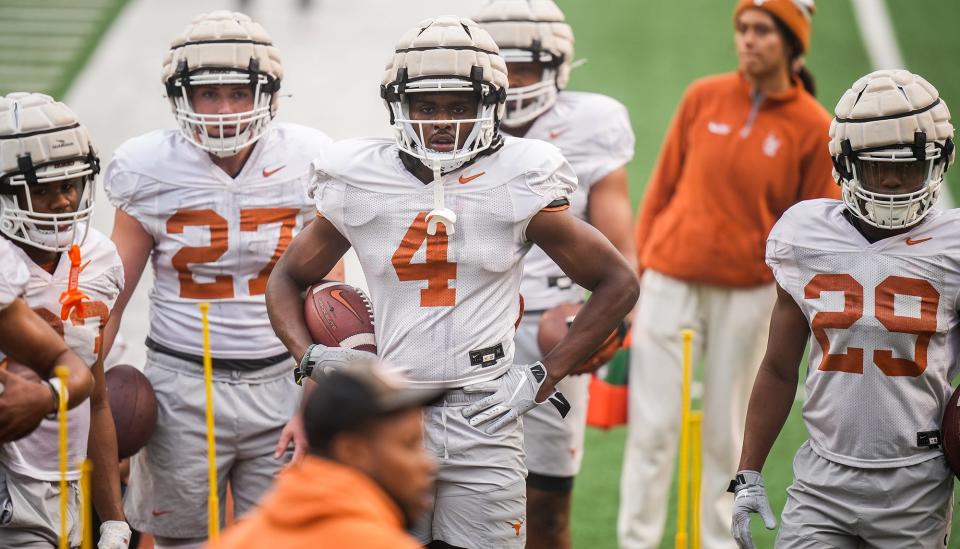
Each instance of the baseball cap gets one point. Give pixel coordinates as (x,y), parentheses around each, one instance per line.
(351,396)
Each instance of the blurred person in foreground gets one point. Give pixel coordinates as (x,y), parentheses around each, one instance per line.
(742,148)
(367,476)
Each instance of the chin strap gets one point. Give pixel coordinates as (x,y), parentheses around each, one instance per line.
(72,298)
(440,213)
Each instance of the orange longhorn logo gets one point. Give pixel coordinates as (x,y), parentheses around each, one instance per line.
(516,526)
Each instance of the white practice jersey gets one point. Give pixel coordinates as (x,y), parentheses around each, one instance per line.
(884,336)
(13,274)
(216,238)
(101,279)
(445,307)
(593,132)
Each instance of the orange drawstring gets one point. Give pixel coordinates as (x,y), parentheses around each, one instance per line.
(72,298)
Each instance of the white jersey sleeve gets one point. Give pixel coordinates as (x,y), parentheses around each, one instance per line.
(884,330)
(100,279)
(594,134)
(216,237)
(13,274)
(445,306)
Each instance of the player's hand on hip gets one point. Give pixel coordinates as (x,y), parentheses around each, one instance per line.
(749,497)
(513,394)
(318,360)
(294,432)
(114,534)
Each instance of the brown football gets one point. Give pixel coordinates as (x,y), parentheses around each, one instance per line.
(554,324)
(134,407)
(339,315)
(950,431)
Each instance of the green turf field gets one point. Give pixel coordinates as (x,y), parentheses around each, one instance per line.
(44,44)
(645,54)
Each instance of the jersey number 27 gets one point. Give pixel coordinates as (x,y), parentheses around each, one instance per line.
(222,285)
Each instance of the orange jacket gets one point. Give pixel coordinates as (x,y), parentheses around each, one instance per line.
(729,167)
(319,504)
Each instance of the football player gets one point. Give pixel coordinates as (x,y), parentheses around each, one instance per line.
(213,206)
(874,278)
(441,217)
(46,200)
(593,132)
(28,339)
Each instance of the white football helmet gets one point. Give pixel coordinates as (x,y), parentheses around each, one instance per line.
(438,55)
(223,48)
(891,116)
(42,142)
(531,31)
(446,54)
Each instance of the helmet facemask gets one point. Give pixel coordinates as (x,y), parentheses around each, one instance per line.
(48,231)
(208,131)
(410,134)
(862,173)
(526,103)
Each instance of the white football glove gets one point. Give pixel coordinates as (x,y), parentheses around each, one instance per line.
(318,360)
(114,534)
(513,395)
(749,497)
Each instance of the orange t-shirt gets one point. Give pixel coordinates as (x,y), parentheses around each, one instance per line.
(730,165)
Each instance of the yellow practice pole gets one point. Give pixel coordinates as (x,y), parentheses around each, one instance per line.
(683,482)
(696,463)
(62,374)
(85,510)
(213,502)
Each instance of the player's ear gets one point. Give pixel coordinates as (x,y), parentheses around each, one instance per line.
(353,448)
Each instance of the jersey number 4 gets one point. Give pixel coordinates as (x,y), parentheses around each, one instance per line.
(251,219)
(923,326)
(436,270)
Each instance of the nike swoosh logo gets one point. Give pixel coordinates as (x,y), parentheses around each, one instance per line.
(557,133)
(159,513)
(268,173)
(911,242)
(469,178)
(338,295)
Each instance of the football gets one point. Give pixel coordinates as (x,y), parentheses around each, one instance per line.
(340,315)
(134,407)
(950,432)
(554,324)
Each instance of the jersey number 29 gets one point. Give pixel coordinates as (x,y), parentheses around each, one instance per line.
(923,326)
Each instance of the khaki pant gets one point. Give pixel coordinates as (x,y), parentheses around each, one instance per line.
(30,512)
(168,490)
(830,505)
(731,327)
(481,496)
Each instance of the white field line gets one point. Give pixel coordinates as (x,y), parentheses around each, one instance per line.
(880,41)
